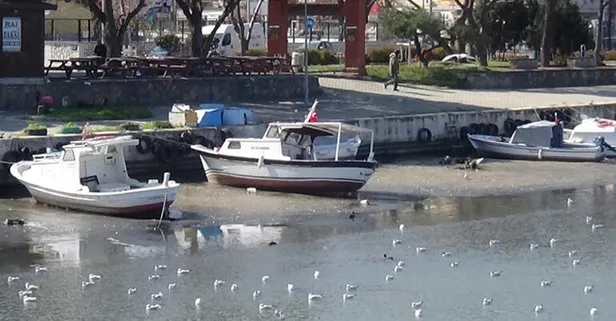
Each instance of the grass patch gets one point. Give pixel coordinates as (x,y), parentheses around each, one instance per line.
(99,113)
(35,126)
(156,125)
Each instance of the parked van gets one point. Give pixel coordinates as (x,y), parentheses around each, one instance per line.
(229,41)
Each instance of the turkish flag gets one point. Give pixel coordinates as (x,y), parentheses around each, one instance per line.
(313,118)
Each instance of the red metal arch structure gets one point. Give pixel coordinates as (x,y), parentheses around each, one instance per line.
(355,13)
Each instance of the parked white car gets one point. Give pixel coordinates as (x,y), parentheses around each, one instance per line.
(459,58)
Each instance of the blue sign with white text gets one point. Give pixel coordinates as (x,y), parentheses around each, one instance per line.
(309,22)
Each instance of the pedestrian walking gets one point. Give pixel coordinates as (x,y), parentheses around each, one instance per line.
(394,69)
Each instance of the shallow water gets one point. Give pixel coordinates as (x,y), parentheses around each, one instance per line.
(124,252)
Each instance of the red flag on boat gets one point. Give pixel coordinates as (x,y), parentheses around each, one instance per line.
(313,117)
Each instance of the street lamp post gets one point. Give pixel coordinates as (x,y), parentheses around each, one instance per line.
(306,53)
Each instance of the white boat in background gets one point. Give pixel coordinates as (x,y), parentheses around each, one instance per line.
(284,159)
(91,176)
(589,129)
(541,140)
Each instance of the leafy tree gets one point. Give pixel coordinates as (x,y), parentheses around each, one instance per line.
(116,17)
(507,26)
(411,24)
(599,33)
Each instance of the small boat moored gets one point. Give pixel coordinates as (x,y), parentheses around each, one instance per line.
(541,140)
(589,129)
(91,176)
(284,159)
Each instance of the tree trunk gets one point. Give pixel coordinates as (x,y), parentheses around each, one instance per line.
(609,25)
(422,60)
(196,44)
(599,33)
(546,38)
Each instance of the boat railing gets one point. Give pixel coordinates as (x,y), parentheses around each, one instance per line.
(47,156)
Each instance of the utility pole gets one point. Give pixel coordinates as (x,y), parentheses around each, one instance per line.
(306,54)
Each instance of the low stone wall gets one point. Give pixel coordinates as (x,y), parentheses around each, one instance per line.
(543,78)
(157,91)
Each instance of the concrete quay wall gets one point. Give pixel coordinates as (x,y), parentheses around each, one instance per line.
(541,78)
(157,92)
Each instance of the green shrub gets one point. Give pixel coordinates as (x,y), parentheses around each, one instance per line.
(168,42)
(314,57)
(156,125)
(380,55)
(437,54)
(256,52)
(35,126)
(327,58)
(129,126)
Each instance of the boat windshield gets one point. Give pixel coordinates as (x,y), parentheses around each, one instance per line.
(272,132)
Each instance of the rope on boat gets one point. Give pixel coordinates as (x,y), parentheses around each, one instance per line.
(8,163)
(162,212)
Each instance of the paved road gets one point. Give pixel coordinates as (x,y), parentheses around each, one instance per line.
(346,98)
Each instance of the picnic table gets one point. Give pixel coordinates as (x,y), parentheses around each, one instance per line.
(88,64)
(126,66)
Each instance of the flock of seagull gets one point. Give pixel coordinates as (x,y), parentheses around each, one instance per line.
(27,295)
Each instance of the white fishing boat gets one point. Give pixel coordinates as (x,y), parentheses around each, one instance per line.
(542,140)
(589,129)
(284,159)
(91,176)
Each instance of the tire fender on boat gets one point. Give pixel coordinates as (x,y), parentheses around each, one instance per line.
(222,135)
(464,131)
(493,129)
(424,135)
(509,126)
(164,152)
(200,140)
(145,145)
(187,138)
(474,129)
(25,153)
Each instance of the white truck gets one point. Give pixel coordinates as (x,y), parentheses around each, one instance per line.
(229,41)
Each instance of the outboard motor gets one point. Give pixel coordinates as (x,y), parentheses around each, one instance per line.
(599,141)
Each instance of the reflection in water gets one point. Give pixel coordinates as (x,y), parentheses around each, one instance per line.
(344,250)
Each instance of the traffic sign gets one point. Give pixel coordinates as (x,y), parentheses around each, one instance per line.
(309,22)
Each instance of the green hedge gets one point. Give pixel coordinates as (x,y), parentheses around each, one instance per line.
(321,57)
(256,52)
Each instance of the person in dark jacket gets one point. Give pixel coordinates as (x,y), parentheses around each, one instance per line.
(100,50)
(394,69)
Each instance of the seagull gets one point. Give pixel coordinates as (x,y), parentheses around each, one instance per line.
(31,287)
(218,283)
(389,277)
(132,290)
(265,278)
(351,287)
(28,299)
(263,307)
(418,312)
(593,311)
(183,271)
(313,297)
(40,268)
(416,305)
(153,277)
(553,242)
(588,220)
(234,287)
(492,243)
(290,287)
(545,283)
(159,267)
(494,274)
(397,268)
(256,294)
(454,264)
(588,289)
(595,227)
(533,246)
(576,262)
(171,286)
(420,250)
(401,263)
(197,302)
(156,296)
(24,293)
(446,254)
(347,296)
(569,202)
(396,242)
(93,277)
(86,284)
(316,275)
(487,301)
(364,203)
(401,227)
(149,307)
(12,278)
(573,253)
(538,308)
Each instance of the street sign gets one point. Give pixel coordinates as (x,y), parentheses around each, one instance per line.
(309,22)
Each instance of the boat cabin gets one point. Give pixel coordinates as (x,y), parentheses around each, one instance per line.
(540,133)
(289,141)
(92,165)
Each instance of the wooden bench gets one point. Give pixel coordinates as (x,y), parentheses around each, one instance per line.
(62,65)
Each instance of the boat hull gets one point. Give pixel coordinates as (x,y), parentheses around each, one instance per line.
(306,177)
(488,146)
(146,202)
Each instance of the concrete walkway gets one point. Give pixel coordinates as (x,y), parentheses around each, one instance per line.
(348,98)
